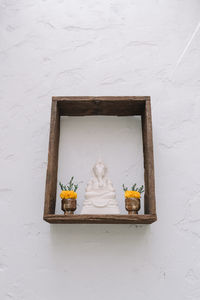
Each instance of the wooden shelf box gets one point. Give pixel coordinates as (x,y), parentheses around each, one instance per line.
(107,106)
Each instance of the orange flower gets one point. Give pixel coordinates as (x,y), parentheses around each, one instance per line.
(68,195)
(132,194)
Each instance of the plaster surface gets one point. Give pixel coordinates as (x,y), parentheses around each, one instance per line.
(129,47)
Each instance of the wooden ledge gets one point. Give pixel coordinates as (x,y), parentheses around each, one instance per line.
(100,219)
(101,98)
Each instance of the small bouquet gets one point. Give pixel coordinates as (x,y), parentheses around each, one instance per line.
(134,192)
(68,196)
(132,198)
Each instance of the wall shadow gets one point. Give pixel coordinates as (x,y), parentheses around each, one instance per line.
(95,240)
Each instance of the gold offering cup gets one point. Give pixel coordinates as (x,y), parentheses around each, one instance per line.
(132,205)
(68,206)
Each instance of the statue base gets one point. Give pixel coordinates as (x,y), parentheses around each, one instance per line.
(100,211)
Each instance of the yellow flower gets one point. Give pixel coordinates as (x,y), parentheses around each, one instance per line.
(132,194)
(68,195)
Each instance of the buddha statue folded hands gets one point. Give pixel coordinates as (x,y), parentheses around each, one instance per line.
(100,197)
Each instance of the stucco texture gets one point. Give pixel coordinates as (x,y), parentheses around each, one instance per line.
(118,47)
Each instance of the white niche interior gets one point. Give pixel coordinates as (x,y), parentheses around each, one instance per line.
(117,140)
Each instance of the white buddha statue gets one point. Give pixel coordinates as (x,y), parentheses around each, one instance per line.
(100,197)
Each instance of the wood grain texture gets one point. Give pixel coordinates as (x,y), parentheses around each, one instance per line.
(52,167)
(110,106)
(102,98)
(84,106)
(100,219)
(149,197)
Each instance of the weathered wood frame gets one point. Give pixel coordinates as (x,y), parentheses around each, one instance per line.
(85,106)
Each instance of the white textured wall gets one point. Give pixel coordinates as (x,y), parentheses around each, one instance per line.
(102,47)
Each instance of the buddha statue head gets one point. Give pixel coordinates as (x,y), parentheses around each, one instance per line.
(100,171)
